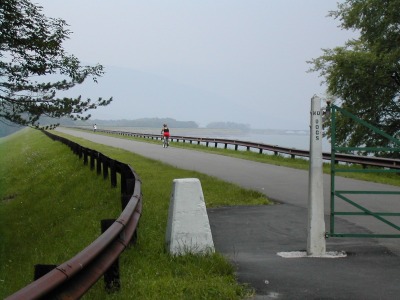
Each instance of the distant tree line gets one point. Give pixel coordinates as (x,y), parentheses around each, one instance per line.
(144,122)
(5,129)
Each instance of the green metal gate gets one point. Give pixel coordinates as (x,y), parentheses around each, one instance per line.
(345,195)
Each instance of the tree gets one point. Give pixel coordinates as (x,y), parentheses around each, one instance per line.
(364,73)
(34,67)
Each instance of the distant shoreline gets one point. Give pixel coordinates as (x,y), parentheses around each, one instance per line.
(201,130)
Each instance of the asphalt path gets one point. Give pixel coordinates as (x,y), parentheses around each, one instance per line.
(252,236)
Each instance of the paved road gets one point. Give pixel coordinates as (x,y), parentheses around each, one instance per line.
(252,236)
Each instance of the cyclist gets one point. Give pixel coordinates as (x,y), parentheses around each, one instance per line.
(165,135)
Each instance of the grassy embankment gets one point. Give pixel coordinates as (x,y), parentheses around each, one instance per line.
(280,160)
(47,196)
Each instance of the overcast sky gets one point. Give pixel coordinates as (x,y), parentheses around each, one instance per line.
(231,60)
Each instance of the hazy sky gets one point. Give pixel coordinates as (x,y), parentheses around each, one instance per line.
(216,60)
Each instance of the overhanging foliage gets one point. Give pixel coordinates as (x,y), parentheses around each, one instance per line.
(34,67)
(364,73)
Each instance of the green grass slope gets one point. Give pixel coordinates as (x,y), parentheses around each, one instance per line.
(47,196)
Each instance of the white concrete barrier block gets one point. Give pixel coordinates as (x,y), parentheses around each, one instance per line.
(188,228)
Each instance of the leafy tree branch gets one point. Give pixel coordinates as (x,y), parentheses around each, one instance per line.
(364,73)
(34,67)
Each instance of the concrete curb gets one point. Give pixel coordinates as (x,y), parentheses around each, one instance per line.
(188,228)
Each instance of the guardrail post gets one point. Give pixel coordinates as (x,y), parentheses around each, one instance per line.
(134,237)
(111,276)
(85,156)
(105,167)
(98,163)
(41,270)
(127,186)
(92,158)
(74,147)
(113,170)
(80,152)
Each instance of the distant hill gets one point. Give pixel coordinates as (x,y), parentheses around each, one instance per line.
(144,122)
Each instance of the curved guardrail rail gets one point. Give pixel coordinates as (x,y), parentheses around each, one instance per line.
(345,158)
(73,278)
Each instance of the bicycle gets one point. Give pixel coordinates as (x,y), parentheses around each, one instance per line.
(165,141)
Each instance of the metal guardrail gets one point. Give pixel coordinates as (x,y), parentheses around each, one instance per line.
(344,158)
(73,278)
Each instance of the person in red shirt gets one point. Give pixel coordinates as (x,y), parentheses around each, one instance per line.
(165,135)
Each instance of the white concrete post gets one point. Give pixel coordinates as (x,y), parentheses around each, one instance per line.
(316,244)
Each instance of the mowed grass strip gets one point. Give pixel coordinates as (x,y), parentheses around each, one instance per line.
(51,207)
